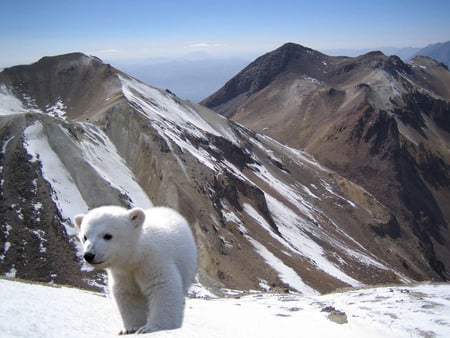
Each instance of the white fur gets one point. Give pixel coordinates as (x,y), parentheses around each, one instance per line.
(151,260)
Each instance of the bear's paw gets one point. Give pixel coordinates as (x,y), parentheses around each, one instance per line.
(126,331)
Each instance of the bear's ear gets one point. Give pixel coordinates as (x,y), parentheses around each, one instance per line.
(136,216)
(77,220)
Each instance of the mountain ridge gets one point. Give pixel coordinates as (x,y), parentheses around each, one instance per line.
(264,215)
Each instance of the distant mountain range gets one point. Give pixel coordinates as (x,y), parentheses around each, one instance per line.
(405,53)
(437,51)
(370,207)
(196,77)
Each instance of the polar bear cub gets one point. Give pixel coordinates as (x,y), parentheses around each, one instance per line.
(150,257)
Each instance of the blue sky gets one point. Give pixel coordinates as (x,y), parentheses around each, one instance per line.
(132,29)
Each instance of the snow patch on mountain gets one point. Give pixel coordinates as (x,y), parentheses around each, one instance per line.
(161,107)
(286,273)
(9,104)
(58,109)
(66,194)
(103,156)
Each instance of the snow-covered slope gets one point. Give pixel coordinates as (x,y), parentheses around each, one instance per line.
(265,216)
(423,310)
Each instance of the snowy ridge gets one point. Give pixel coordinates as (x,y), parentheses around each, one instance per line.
(31,310)
(163,108)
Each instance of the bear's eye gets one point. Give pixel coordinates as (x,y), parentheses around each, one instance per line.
(84,238)
(107,237)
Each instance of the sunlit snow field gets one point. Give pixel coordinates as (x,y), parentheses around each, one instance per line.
(34,310)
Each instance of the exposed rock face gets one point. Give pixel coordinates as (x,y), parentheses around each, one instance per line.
(77,133)
(377,121)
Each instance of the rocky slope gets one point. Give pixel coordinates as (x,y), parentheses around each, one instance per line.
(77,133)
(377,121)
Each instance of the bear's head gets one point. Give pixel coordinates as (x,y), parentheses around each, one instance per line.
(109,235)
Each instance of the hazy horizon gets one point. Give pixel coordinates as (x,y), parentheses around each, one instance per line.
(138,29)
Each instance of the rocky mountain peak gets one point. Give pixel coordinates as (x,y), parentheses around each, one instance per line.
(75,57)
(264,70)
(81,84)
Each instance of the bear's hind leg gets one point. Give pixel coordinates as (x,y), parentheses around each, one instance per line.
(165,306)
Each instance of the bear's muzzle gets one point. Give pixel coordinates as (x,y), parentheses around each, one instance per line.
(89,257)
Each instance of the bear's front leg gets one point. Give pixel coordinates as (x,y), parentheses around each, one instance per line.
(132,306)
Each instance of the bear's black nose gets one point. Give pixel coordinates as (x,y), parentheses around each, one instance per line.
(89,257)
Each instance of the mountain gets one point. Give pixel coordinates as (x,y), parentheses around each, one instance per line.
(77,133)
(377,121)
(437,51)
(34,310)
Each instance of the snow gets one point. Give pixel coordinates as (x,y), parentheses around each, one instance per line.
(298,220)
(309,192)
(5,144)
(230,216)
(12,272)
(290,226)
(6,245)
(65,192)
(162,107)
(328,187)
(260,219)
(103,156)
(40,234)
(9,104)
(298,156)
(168,114)
(313,80)
(286,273)
(57,110)
(34,310)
